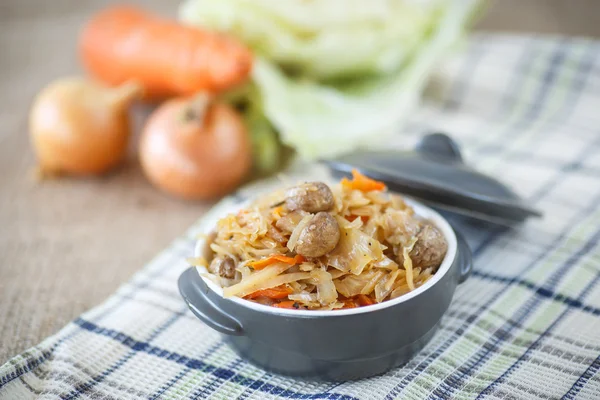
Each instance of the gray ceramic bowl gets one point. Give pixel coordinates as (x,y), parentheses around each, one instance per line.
(330,345)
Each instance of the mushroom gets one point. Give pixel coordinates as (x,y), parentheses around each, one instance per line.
(319,236)
(430,248)
(311,197)
(223,266)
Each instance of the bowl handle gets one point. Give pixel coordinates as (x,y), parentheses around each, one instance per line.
(464,257)
(195,293)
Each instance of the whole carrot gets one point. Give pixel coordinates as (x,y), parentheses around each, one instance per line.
(123,43)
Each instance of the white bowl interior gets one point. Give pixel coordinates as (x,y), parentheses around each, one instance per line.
(231,206)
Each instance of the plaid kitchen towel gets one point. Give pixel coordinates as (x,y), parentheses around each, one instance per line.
(526,324)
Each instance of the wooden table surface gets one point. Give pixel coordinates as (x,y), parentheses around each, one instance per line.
(65,245)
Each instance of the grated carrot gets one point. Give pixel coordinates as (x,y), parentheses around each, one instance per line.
(273,258)
(362,183)
(285,304)
(364,300)
(278,292)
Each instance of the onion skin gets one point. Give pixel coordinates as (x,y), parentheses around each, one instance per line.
(195,150)
(78,127)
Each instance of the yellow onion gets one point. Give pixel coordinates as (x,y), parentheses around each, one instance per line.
(195,149)
(79,127)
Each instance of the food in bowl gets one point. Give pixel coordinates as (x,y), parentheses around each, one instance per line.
(310,343)
(318,247)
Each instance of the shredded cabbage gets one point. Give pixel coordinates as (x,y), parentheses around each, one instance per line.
(354,251)
(363,268)
(326,291)
(256,281)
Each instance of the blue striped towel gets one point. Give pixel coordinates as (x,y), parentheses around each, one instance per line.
(525,325)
